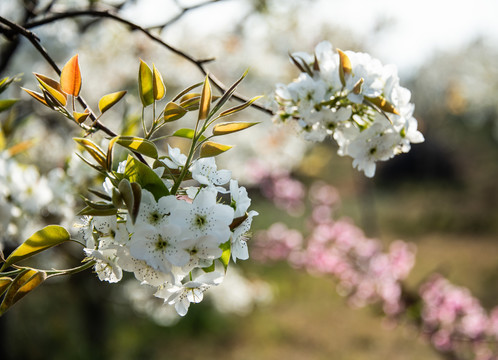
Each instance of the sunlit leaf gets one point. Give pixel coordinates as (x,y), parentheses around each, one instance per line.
(41,240)
(23,283)
(316,65)
(383,104)
(4,284)
(173,112)
(187,90)
(227,95)
(345,67)
(96,167)
(20,147)
(191,101)
(3,141)
(225,256)
(145,84)
(241,107)
(109,100)
(53,88)
(37,96)
(6,104)
(209,268)
(133,143)
(231,127)
(52,102)
(71,77)
(297,63)
(49,81)
(101,205)
(158,84)
(4,83)
(140,173)
(205,101)
(187,133)
(94,150)
(88,210)
(100,194)
(81,117)
(210,148)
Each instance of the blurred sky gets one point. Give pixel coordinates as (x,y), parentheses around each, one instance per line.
(411,30)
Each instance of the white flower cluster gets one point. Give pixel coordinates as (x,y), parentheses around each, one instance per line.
(353,98)
(176,241)
(28,198)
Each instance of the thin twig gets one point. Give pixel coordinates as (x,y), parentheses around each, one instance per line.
(183,11)
(35,41)
(107,14)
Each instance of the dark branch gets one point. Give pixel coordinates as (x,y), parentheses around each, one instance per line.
(183,11)
(134,27)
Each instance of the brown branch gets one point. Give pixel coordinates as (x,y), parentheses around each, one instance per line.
(183,11)
(35,41)
(134,27)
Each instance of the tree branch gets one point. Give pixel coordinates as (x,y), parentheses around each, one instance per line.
(134,27)
(183,11)
(35,41)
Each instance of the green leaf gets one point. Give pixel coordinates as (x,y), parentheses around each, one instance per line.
(209,268)
(139,145)
(210,148)
(41,240)
(145,84)
(7,104)
(5,82)
(131,194)
(25,282)
(225,256)
(231,127)
(53,88)
(133,143)
(205,101)
(81,117)
(173,112)
(227,95)
(182,93)
(100,205)
(100,194)
(301,64)
(4,284)
(140,173)
(37,96)
(88,210)
(241,107)
(187,133)
(158,86)
(109,100)
(94,150)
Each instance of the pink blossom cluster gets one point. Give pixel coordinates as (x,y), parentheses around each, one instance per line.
(276,244)
(456,322)
(284,191)
(364,272)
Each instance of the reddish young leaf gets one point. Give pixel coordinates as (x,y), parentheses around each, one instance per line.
(71,77)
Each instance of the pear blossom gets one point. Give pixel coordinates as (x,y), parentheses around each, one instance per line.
(175,158)
(204,170)
(173,238)
(239,248)
(360,104)
(190,292)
